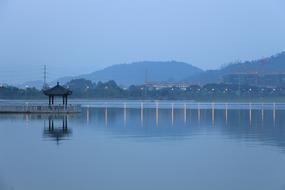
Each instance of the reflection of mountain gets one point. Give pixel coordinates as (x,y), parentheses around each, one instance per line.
(238,125)
(57,133)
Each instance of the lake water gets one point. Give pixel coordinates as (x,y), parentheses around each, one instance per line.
(131,149)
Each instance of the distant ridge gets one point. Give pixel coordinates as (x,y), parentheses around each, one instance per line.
(173,71)
(137,73)
(270,65)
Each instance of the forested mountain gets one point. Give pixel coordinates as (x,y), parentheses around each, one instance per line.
(172,71)
(271,65)
(137,73)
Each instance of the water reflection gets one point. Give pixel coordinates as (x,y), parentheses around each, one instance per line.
(153,144)
(265,126)
(56,132)
(186,115)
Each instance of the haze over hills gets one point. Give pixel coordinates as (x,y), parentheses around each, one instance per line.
(137,73)
(270,65)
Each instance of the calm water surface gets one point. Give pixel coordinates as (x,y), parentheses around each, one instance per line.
(130,149)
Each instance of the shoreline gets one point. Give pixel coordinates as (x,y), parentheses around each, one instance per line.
(72,100)
(77,106)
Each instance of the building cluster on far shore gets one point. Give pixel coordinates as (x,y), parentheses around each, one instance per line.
(163,85)
(256,79)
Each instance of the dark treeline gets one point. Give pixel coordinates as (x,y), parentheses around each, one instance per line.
(110,90)
(10,92)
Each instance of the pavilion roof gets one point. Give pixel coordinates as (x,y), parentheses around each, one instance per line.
(57,90)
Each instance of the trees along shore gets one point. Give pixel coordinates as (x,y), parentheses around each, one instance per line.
(85,89)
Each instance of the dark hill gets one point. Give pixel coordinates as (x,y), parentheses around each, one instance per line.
(135,73)
(271,65)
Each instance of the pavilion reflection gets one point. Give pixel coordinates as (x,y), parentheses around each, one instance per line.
(56,131)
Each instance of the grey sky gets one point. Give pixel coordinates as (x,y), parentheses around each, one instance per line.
(80,36)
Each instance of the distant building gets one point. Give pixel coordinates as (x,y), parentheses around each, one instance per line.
(272,80)
(3,85)
(269,80)
(162,85)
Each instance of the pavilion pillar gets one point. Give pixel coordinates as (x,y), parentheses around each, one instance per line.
(49,100)
(52,125)
(66,100)
(49,124)
(64,123)
(63,101)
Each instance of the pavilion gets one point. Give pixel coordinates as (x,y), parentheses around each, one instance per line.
(57,90)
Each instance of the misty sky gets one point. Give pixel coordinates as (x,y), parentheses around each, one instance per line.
(80,36)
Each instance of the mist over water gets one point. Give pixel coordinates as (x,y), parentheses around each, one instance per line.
(142,144)
(130,148)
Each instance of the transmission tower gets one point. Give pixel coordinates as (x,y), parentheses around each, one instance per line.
(45,86)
